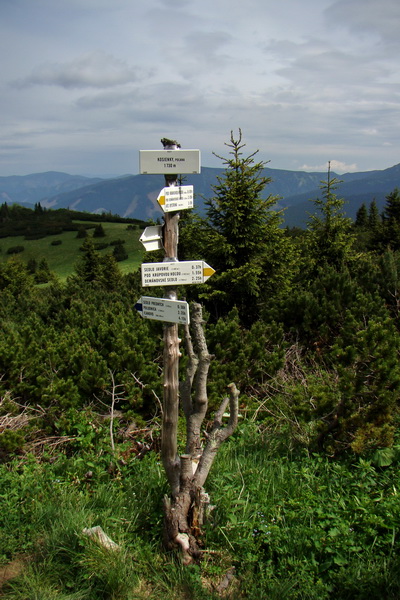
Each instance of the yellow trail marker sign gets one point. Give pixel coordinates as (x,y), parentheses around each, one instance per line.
(176,198)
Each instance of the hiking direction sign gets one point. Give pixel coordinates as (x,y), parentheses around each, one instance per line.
(175,273)
(176,197)
(163,309)
(151,238)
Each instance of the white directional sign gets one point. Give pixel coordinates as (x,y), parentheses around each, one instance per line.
(175,273)
(176,197)
(162,309)
(168,162)
(151,238)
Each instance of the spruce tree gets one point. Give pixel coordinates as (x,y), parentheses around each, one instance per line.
(241,238)
(88,267)
(374,219)
(361,216)
(330,236)
(392,207)
(119,252)
(99,231)
(42,272)
(391,220)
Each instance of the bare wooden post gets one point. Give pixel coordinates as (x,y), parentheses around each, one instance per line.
(169,452)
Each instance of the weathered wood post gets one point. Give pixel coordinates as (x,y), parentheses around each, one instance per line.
(169,453)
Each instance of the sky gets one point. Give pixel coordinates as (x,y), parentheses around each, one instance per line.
(86,84)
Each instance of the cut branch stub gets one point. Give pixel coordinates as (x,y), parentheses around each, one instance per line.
(218,434)
(169,452)
(199,364)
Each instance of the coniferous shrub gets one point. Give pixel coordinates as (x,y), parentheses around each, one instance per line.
(42,272)
(117,242)
(99,231)
(119,253)
(31,265)
(81,233)
(15,249)
(101,245)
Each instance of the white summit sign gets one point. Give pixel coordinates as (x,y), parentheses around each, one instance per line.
(175,273)
(162,309)
(168,162)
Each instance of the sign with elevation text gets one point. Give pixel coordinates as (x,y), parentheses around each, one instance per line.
(162,309)
(176,197)
(168,162)
(175,273)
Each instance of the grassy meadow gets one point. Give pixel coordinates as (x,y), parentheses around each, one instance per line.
(62,258)
(285,527)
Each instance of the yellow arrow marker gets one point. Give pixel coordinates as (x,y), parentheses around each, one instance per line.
(161,200)
(208,271)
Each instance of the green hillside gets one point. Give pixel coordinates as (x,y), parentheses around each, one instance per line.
(61,258)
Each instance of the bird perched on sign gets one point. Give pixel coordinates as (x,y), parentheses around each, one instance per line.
(166,142)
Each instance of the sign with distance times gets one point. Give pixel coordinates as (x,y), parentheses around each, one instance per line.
(176,197)
(163,309)
(175,273)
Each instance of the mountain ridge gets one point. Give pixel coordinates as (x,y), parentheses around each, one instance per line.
(136,195)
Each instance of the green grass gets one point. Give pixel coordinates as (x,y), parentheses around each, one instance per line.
(61,259)
(295,527)
(61,563)
(306,527)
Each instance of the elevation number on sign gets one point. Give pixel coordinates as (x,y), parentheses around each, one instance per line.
(169,161)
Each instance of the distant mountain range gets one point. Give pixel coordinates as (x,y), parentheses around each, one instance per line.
(136,195)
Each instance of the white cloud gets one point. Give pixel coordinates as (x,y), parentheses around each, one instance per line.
(337,166)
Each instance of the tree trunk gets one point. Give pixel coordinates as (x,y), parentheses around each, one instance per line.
(186,509)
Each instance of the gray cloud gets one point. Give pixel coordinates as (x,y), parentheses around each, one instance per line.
(97,70)
(318,64)
(381,17)
(207,45)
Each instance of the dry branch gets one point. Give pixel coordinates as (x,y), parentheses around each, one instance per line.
(98,535)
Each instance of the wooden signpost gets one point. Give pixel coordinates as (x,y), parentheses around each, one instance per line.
(186,486)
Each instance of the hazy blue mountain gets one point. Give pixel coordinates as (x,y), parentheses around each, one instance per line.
(355,188)
(136,195)
(29,189)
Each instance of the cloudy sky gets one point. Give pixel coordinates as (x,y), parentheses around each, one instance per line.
(85,84)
